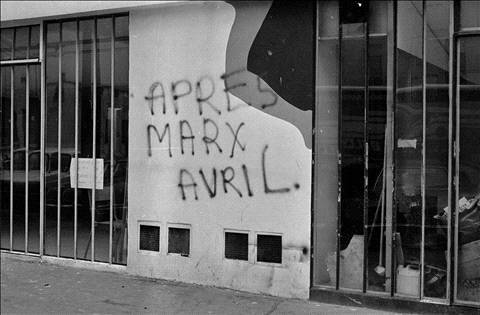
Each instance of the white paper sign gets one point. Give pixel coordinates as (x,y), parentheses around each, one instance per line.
(407,143)
(85,173)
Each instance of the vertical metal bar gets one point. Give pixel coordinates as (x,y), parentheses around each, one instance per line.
(75,191)
(42,135)
(12,122)
(27,136)
(424,151)
(94,155)
(27,144)
(59,140)
(339,181)
(365,169)
(451,98)
(390,153)
(112,124)
(456,153)
(313,229)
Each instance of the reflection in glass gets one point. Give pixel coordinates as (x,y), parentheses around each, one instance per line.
(120,143)
(352,133)
(436,231)
(468,207)
(6,46)
(21,42)
(408,146)
(85,137)
(51,138)
(5,156)
(67,148)
(326,146)
(34,159)
(469,14)
(377,106)
(102,134)
(19,148)
(34,41)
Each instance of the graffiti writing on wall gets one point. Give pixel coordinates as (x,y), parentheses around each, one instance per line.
(166,98)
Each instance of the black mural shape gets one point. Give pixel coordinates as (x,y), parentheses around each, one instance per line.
(270,60)
(282,52)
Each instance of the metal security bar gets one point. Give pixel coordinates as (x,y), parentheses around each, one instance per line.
(75,195)
(79,67)
(112,135)
(86,66)
(426,43)
(19,69)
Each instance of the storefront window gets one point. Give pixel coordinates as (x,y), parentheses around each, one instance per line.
(436,221)
(376,135)
(5,155)
(408,146)
(87,107)
(468,207)
(326,145)
(20,140)
(352,143)
(469,13)
(420,241)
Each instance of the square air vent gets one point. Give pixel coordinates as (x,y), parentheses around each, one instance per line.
(179,241)
(236,245)
(269,248)
(149,238)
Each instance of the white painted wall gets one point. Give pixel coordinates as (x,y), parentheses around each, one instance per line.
(21,10)
(189,42)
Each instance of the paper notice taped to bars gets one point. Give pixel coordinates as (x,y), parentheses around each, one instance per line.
(86,173)
(407,143)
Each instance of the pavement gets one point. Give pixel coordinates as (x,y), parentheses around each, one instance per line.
(32,286)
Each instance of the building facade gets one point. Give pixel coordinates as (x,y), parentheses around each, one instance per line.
(293,149)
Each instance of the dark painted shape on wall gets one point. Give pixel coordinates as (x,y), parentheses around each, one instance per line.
(282,52)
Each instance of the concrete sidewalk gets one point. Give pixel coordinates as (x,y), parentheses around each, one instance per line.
(29,285)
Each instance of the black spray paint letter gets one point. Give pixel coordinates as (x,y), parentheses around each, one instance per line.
(160,138)
(208,140)
(269,190)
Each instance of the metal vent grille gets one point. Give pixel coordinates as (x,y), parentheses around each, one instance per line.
(236,246)
(179,241)
(269,248)
(150,238)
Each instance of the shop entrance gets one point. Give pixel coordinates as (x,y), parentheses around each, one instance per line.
(64,139)
(397,138)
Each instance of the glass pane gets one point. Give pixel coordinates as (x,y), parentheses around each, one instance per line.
(436,149)
(326,146)
(352,146)
(469,13)
(51,138)
(21,42)
(34,159)
(5,157)
(377,81)
(6,43)
(120,131)
(19,147)
(408,142)
(69,33)
(85,134)
(34,40)
(103,89)
(469,173)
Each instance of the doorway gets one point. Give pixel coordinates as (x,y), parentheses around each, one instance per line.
(64,139)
